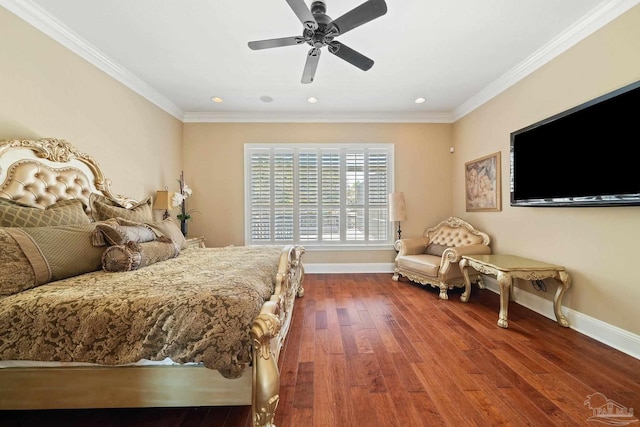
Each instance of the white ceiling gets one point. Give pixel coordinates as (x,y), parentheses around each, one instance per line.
(456,53)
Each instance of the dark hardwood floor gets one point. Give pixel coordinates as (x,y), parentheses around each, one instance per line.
(364,350)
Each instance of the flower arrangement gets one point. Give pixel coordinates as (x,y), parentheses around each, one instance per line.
(179,200)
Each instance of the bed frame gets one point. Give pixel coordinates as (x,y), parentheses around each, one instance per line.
(140,386)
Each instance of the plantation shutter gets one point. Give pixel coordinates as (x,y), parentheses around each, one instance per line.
(318,195)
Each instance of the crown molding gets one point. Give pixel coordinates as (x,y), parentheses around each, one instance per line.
(38,18)
(606,12)
(287,117)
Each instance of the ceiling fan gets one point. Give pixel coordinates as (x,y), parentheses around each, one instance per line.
(319,30)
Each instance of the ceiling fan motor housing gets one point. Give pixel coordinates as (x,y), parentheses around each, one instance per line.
(325,33)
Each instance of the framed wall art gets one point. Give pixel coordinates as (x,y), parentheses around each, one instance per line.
(483,184)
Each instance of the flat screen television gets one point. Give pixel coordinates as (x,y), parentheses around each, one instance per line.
(585,156)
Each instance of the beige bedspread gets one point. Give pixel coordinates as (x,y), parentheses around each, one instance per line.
(197,307)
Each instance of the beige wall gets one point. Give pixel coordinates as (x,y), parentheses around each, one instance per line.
(597,245)
(214,167)
(48,91)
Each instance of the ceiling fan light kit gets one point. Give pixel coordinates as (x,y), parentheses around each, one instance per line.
(320,30)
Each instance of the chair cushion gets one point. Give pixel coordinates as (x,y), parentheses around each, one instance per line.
(427,264)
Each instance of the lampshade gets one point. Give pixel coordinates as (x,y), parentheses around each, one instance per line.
(163,202)
(397,210)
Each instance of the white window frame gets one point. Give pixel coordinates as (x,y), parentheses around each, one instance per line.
(343,150)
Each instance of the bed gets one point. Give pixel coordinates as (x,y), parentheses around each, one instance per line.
(103,307)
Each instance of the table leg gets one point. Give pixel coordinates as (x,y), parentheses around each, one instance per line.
(504,281)
(565,282)
(467,282)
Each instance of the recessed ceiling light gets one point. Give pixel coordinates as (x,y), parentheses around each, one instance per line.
(420,100)
(266,98)
(216,99)
(312,100)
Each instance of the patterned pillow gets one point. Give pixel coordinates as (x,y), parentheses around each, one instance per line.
(103,209)
(33,256)
(170,229)
(116,234)
(16,273)
(64,212)
(133,256)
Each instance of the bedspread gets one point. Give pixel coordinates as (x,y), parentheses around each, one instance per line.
(197,307)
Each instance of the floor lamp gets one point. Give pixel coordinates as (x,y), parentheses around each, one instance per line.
(397,210)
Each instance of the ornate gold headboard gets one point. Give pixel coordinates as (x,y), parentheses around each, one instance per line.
(42,172)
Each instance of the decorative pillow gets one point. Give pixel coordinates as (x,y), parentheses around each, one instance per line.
(102,209)
(170,229)
(94,198)
(133,256)
(438,250)
(16,273)
(53,253)
(115,234)
(64,212)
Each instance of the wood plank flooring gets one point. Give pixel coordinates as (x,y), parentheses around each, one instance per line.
(364,350)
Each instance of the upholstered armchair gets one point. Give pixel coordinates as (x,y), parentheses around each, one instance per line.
(433,258)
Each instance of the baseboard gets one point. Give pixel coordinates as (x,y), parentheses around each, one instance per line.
(610,335)
(380,267)
(607,334)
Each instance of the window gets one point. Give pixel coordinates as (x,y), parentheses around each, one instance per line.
(332,195)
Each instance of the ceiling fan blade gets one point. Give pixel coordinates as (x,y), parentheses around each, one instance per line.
(350,55)
(362,14)
(310,66)
(284,41)
(303,13)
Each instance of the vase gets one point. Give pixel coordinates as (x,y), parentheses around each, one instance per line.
(183,227)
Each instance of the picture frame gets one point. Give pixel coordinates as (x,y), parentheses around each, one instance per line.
(483,184)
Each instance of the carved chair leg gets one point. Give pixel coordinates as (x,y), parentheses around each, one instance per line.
(443,291)
(300,290)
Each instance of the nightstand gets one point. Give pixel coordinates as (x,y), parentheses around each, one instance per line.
(196,242)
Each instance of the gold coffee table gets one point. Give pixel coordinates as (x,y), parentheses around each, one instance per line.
(509,267)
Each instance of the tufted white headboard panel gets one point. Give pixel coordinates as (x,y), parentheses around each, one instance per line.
(42,172)
(35,184)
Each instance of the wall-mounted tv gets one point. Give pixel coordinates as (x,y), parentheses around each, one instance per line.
(585,156)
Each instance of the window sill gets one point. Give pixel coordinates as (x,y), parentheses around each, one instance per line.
(338,248)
